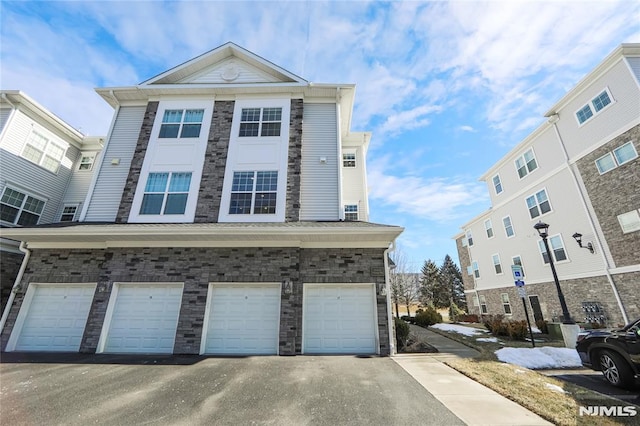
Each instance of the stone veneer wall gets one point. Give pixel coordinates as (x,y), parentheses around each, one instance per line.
(294,162)
(215,161)
(465,262)
(577,291)
(136,163)
(196,268)
(614,193)
(9,267)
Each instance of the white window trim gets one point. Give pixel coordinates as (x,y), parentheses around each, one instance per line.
(75,214)
(469,236)
(27,194)
(564,247)
(493,260)
(523,159)
(635,227)
(511,222)
(521,264)
(615,159)
(91,155)
(493,234)
(476,270)
(357,212)
(593,108)
(355,158)
(508,302)
(483,302)
(495,190)
(50,141)
(538,204)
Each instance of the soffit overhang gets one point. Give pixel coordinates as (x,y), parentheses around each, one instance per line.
(295,234)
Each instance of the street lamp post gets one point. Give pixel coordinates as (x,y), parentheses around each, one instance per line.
(542,229)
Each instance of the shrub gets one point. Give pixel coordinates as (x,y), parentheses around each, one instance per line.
(455,312)
(427,317)
(493,323)
(517,330)
(468,318)
(498,326)
(542,326)
(402,333)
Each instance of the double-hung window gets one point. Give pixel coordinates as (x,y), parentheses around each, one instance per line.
(181,123)
(351,212)
(497,184)
(594,107)
(557,247)
(483,304)
(469,238)
(476,270)
(166,193)
(517,260)
(68,213)
(260,122)
(496,264)
(86,161)
(506,305)
(538,204)
(349,159)
(43,152)
(619,156)
(18,208)
(526,163)
(488,228)
(508,226)
(254,192)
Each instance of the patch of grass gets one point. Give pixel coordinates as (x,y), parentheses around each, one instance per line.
(550,398)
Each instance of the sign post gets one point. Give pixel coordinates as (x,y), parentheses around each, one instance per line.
(517,276)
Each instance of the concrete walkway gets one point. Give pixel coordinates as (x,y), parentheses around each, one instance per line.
(470,401)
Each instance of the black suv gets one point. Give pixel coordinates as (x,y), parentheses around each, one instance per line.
(614,352)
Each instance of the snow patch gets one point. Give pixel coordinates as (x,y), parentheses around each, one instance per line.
(460,329)
(487,339)
(554,388)
(540,358)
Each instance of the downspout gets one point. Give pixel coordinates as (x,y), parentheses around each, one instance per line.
(553,119)
(339,153)
(27,254)
(387,286)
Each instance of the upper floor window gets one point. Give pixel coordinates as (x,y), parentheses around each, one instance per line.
(557,247)
(254,192)
(469,238)
(526,163)
(86,161)
(42,151)
(489,228)
(508,227)
(596,105)
(183,122)
(18,208)
(517,260)
(351,212)
(260,121)
(619,156)
(538,204)
(349,159)
(475,269)
(630,221)
(497,185)
(166,193)
(496,263)
(69,213)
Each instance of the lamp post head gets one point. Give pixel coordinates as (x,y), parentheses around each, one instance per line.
(578,238)
(542,229)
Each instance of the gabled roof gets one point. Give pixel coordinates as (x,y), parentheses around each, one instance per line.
(226,64)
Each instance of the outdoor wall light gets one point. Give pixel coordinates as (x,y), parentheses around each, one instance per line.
(287,286)
(382,289)
(578,238)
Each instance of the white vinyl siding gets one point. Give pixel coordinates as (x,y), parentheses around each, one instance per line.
(319,192)
(4,116)
(111,179)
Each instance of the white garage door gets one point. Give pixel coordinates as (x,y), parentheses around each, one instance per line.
(55,318)
(339,319)
(144,318)
(243,319)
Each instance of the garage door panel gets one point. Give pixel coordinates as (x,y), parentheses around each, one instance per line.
(339,319)
(55,318)
(243,319)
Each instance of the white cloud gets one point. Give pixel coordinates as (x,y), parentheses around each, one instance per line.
(466,128)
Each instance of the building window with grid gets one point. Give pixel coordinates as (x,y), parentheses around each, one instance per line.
(483,304)
(254,192)
(166,193)
(526,163)
(506,305)
(619,156)
(630,221)
(476,270)
(557,247)
(181,123)
(18,208)
(86,162)
(349,159)
(517,260)
(469,237)
(488,228)
(497,184)
(260,121)
(68,213)
(508,227)
(538,204)
(351,212)
(43,152)
(496,264)
(593,108)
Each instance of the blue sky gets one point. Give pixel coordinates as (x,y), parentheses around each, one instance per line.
(447,88)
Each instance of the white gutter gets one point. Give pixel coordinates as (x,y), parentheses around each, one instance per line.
(387,285)
(339,153)
(553,119)
(27,254)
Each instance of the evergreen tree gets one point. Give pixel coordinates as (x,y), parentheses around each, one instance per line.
(451,278)
(430,283)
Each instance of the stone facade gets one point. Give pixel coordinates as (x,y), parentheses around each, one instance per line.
(136,163)
(294,164)
(196,268)
(9,267)
(465,262)
(576,292)
(614,193)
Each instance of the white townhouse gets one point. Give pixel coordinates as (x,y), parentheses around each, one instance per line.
(46,167)
(228,215)
(578,172)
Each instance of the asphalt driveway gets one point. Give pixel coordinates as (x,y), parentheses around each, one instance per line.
(39,389)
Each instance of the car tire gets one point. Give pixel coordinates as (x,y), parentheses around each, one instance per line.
(615,369)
